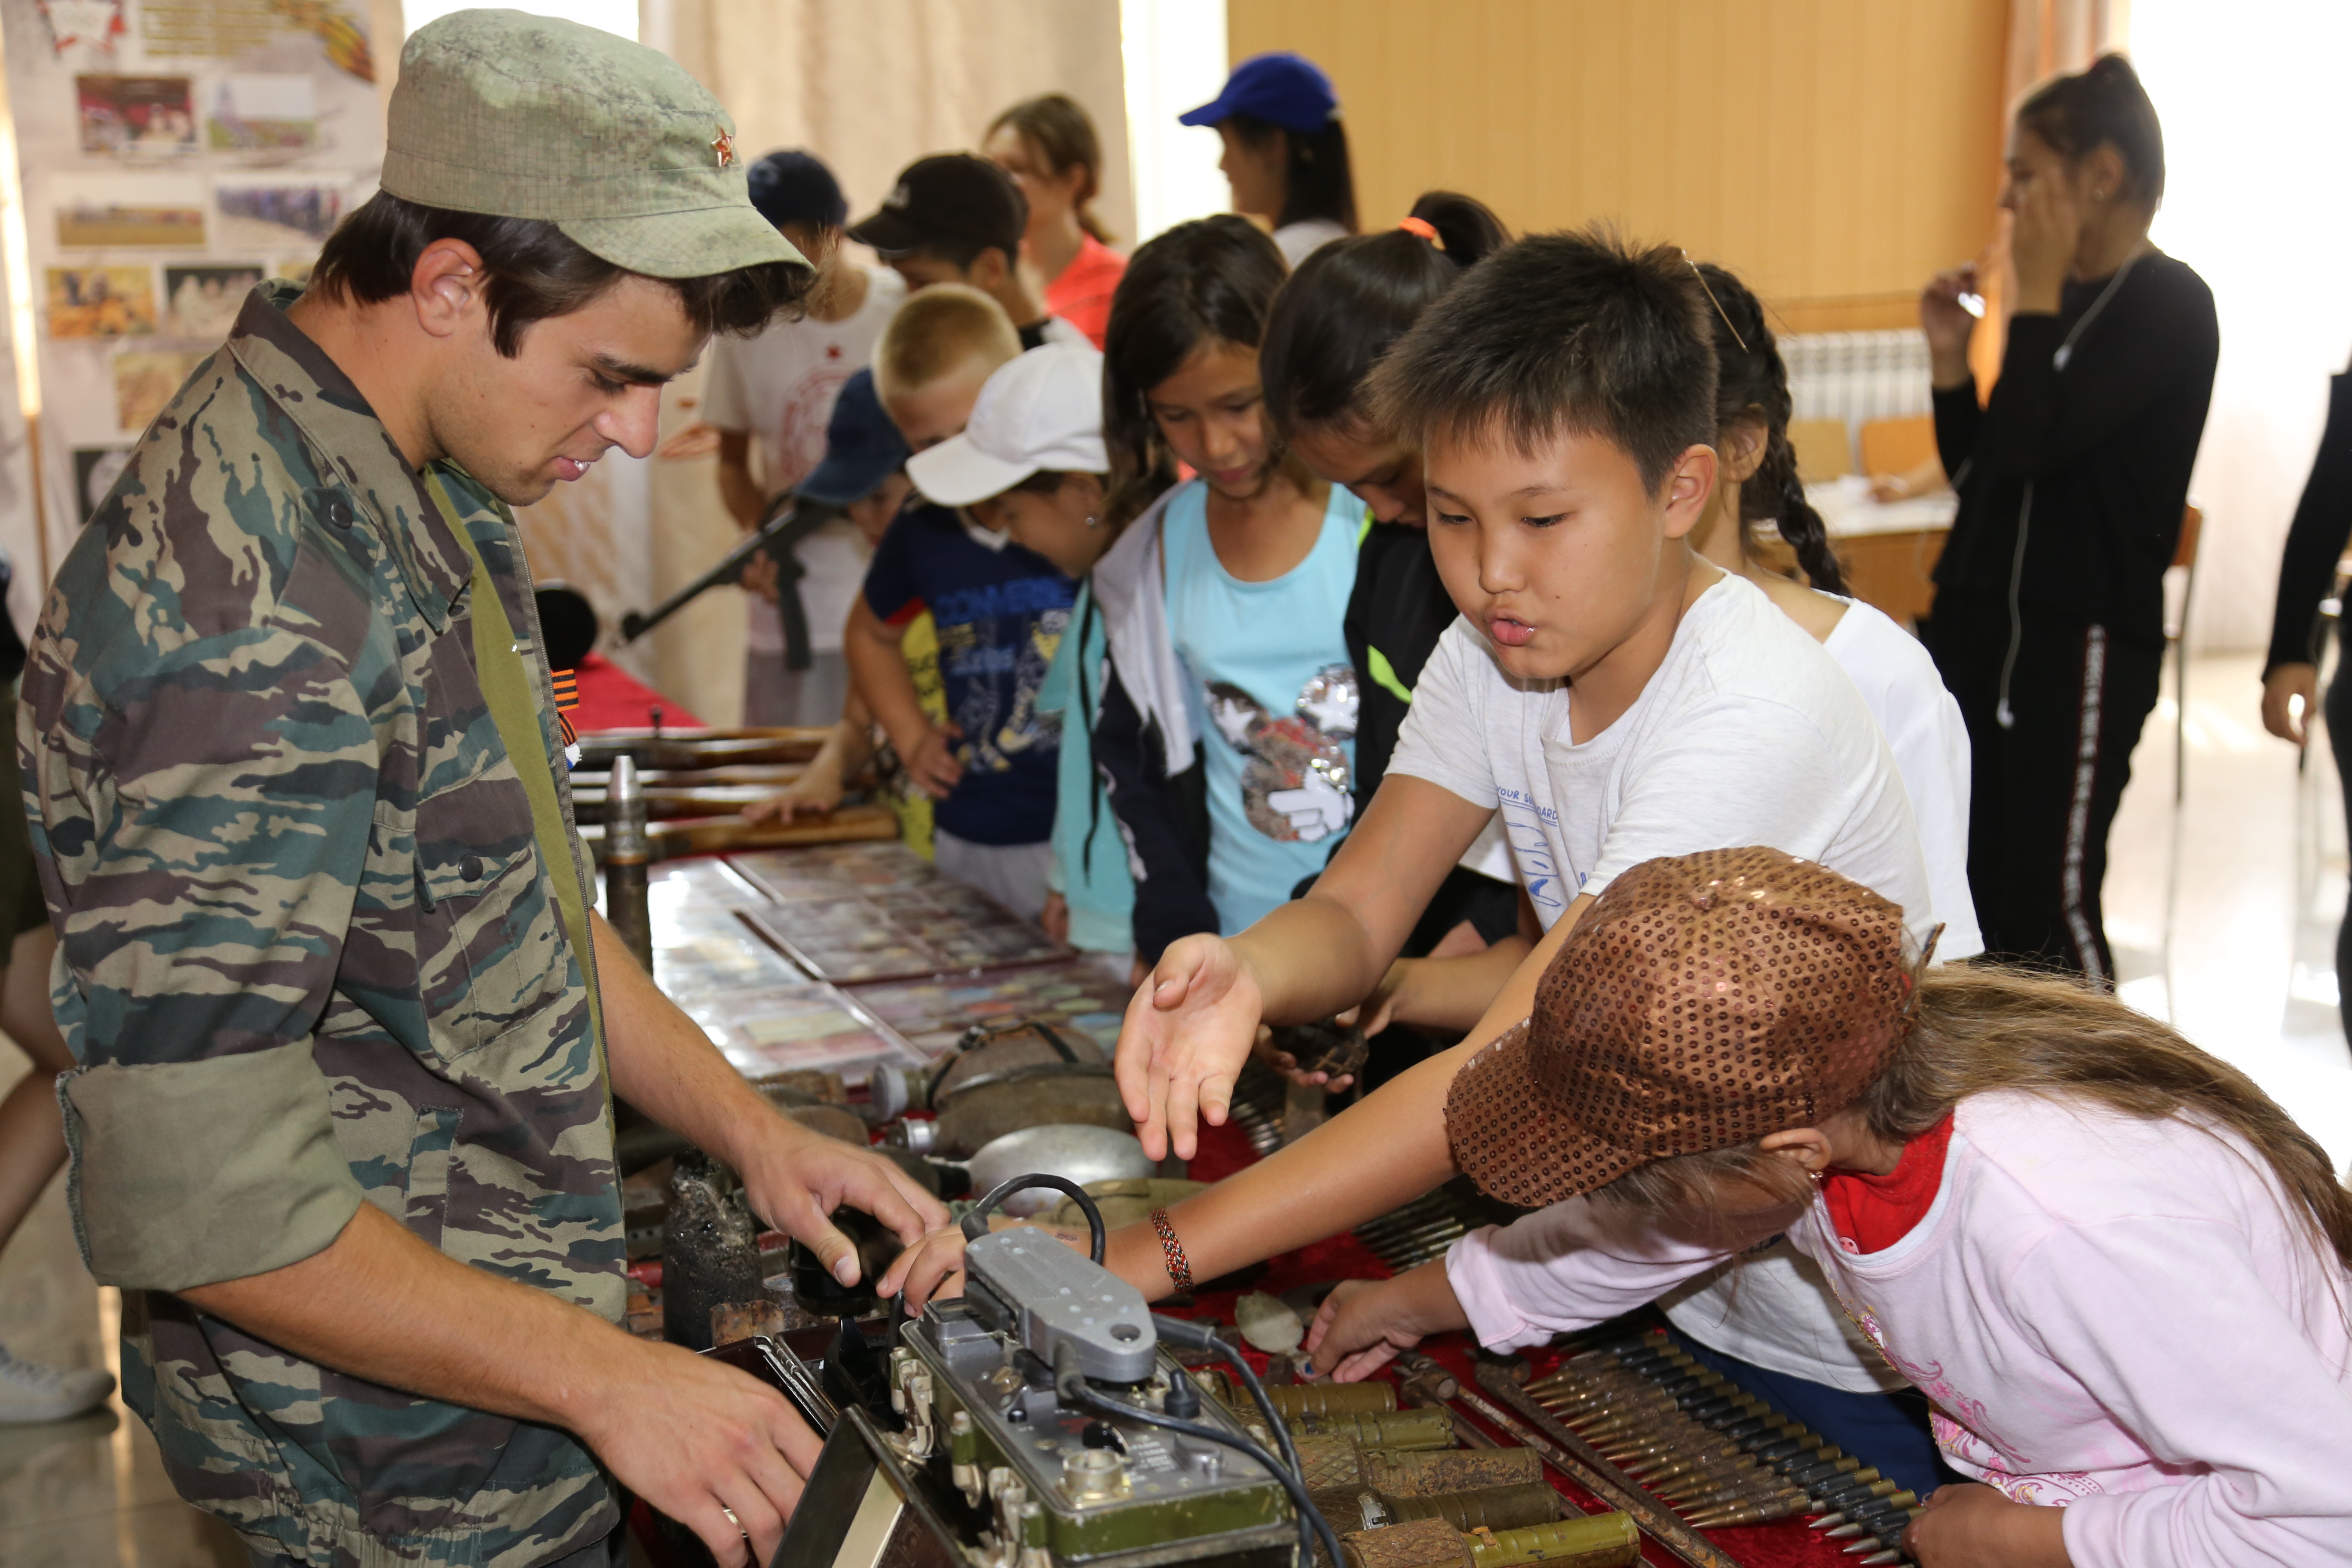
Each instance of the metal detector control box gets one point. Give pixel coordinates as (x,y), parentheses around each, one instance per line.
(1071,1486)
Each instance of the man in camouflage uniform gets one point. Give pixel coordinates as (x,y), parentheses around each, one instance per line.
(347,1028)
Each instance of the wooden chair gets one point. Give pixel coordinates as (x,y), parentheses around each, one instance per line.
(2176,637)
(1824,450)
(1898,446)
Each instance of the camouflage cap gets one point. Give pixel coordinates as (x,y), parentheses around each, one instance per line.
(611,142)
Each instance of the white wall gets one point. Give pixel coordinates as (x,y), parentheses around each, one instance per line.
(1175,57)
(2250,95)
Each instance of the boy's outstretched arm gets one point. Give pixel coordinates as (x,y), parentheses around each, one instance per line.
(1384,1152)
(1387,1150)
(1191,1024)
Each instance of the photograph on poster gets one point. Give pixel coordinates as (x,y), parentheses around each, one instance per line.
(277,215)
(101,301)
(114,210)
(136,114)
(95,470)
(145,380)
(254,113)
(204,301)
(93,25)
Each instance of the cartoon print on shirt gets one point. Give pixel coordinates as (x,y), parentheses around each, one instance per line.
(1295,787)
(993,731)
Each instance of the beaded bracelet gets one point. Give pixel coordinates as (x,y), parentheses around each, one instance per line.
(1180,1268)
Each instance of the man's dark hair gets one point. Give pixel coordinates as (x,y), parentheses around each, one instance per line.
(1560,334)
(535,271)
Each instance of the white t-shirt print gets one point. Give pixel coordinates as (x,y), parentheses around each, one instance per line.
(1747,734)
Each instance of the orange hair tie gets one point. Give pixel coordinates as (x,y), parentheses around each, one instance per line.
(1423,227)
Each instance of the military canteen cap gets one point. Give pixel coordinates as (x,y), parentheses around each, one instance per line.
(613,142)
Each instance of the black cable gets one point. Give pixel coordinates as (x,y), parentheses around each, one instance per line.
(1070,1384)
(975,1224)
(1201,1336)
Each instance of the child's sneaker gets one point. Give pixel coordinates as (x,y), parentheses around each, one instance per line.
(31,1392)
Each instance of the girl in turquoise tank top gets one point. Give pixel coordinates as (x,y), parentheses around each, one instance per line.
(1230,742)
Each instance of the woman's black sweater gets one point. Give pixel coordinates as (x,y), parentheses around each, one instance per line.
(2323,522)
(2101,447)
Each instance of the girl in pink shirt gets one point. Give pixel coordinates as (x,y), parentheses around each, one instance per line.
(2118,1270)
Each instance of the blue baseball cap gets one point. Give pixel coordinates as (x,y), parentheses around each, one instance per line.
(796,187)
(862,448)
(1286,89)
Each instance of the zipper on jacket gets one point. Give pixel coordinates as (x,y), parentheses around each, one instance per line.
(2002,713)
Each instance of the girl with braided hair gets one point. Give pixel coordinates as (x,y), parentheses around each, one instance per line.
(1758,484)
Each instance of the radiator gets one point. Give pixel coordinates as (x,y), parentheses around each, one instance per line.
(1857,376)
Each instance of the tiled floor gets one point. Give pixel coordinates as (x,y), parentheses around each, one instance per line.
(2223,911)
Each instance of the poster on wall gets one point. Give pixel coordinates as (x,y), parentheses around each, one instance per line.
(173,154)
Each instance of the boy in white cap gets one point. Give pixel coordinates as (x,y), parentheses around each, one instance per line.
(999,582)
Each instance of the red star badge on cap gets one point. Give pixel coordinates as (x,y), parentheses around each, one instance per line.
(724,146)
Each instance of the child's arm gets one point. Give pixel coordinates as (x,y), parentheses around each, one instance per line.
(847,748)
(1187,1034)
(879,669)
(1448,995)
(1363,1325)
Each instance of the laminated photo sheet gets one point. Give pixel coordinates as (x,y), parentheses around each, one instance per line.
(852,913)
(1074,997)
(769,1030)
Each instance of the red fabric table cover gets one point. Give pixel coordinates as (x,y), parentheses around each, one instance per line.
(1784,1544)
(613,698)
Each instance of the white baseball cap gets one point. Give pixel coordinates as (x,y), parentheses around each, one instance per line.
(1040,411)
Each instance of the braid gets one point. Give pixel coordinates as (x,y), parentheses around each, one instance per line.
(1776,491)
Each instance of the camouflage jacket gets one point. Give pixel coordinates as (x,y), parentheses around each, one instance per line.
(314,946)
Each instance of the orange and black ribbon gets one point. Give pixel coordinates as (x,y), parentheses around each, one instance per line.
(567,698)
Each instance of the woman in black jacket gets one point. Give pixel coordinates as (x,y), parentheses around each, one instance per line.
(2323,526)
(2048,623)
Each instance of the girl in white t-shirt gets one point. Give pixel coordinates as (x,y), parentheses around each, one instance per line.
(2117,1268)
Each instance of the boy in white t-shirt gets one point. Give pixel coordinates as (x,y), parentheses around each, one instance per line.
(1617,697)
(778,390)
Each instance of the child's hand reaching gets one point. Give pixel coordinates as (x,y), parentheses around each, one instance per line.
(934,763)
(1361,1325)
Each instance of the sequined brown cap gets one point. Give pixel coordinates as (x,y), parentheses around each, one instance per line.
(1703,1002)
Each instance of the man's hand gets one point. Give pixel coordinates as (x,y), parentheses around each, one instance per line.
(1363,1325)
(698,1439)
(1966,1525)
(759,576)
(1188,1032)
(1285,1063)
(795,1179)
(932,763)
(2282,689)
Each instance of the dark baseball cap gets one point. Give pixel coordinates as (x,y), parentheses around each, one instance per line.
(945,197)
(862,446)
(1286,89)
(793,186)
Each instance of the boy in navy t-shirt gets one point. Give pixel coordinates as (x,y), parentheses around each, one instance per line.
(999,611)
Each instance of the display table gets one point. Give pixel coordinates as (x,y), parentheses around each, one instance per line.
(804,964)
(613,698)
